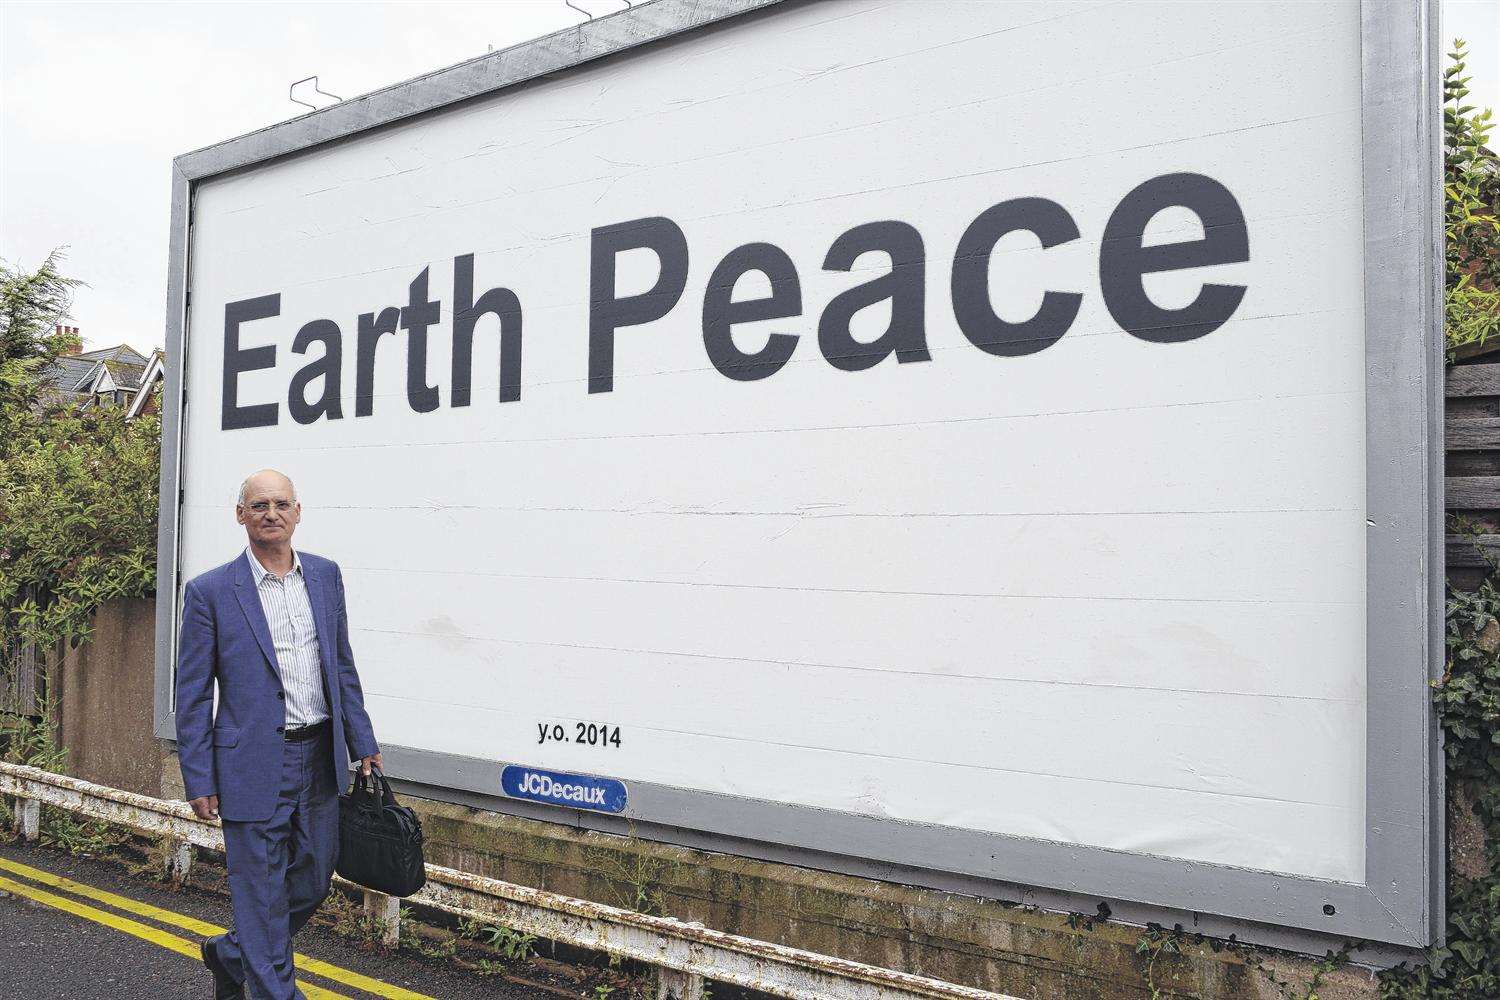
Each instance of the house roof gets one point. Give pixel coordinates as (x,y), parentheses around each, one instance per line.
(100,381)
(120,352)
(126,374)
(120,367)
(67,373)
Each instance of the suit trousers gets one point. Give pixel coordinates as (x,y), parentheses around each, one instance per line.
(280,869)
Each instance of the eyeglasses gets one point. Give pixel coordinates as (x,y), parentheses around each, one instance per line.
(261,506)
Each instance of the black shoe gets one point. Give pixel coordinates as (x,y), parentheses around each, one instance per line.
(225,988)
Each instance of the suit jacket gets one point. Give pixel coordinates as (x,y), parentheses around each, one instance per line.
(236,752)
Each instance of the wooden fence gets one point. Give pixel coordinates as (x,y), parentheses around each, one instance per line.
(1471,438)
(23,682)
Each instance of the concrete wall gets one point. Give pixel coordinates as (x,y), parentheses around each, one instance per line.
(1002,947)
(103,691)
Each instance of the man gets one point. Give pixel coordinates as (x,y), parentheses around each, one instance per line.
(271,629)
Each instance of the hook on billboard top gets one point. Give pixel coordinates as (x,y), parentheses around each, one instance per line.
(291,92)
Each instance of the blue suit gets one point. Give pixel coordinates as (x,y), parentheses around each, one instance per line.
(278,798)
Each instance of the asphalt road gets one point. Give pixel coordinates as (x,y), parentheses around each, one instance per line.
(47,952)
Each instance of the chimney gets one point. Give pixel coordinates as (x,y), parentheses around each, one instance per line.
(77,346)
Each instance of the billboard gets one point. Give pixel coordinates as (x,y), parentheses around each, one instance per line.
(991,439)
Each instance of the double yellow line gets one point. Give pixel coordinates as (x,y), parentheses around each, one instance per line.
(169,941)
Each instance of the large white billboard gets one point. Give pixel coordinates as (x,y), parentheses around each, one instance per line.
(947,415)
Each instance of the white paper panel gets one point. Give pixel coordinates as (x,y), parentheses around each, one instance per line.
(1110,593)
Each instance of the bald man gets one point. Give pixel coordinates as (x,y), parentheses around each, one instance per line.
(270,628)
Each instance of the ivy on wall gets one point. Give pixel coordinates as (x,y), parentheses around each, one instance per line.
(1467,966)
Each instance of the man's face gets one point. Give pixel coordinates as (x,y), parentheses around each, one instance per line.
(270,512)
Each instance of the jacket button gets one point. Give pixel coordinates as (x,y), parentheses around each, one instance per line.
(281,695)
(281,729)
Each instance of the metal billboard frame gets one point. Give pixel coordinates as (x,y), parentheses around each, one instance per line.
(1400,903)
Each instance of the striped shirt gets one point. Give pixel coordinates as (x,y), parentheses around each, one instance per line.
(295,636)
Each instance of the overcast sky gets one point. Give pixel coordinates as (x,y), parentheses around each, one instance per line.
(96,99)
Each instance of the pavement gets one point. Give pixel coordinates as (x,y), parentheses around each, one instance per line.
(80,928)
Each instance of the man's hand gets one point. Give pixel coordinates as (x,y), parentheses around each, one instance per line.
(365,762)
(206,808)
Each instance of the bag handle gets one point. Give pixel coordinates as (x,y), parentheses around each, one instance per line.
(382,785)
(387,795)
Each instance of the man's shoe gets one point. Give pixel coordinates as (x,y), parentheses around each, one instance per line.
(225,988)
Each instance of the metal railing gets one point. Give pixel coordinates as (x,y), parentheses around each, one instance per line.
(685,955)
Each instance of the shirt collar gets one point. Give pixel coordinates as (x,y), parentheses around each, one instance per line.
(260,572)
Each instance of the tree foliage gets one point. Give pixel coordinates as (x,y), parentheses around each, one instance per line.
(1471,187)
(78,488)
(31,305)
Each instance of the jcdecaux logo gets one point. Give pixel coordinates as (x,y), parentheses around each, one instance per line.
(580,791)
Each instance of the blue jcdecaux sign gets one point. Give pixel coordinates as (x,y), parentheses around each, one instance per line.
(579,791)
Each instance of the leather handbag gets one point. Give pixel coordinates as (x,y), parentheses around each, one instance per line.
(380,840)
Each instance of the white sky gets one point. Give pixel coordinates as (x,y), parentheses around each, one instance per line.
(96,99)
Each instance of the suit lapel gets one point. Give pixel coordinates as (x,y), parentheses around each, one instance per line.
(244,590)
(315,596)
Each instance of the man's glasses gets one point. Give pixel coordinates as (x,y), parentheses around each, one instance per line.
(261,506)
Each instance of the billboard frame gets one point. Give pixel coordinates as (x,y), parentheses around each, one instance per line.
(1400,903)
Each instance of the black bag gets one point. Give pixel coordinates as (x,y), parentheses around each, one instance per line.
(380,841)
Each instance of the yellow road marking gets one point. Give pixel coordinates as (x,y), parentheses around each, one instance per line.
(118,902)
(156,936)
(304,962)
